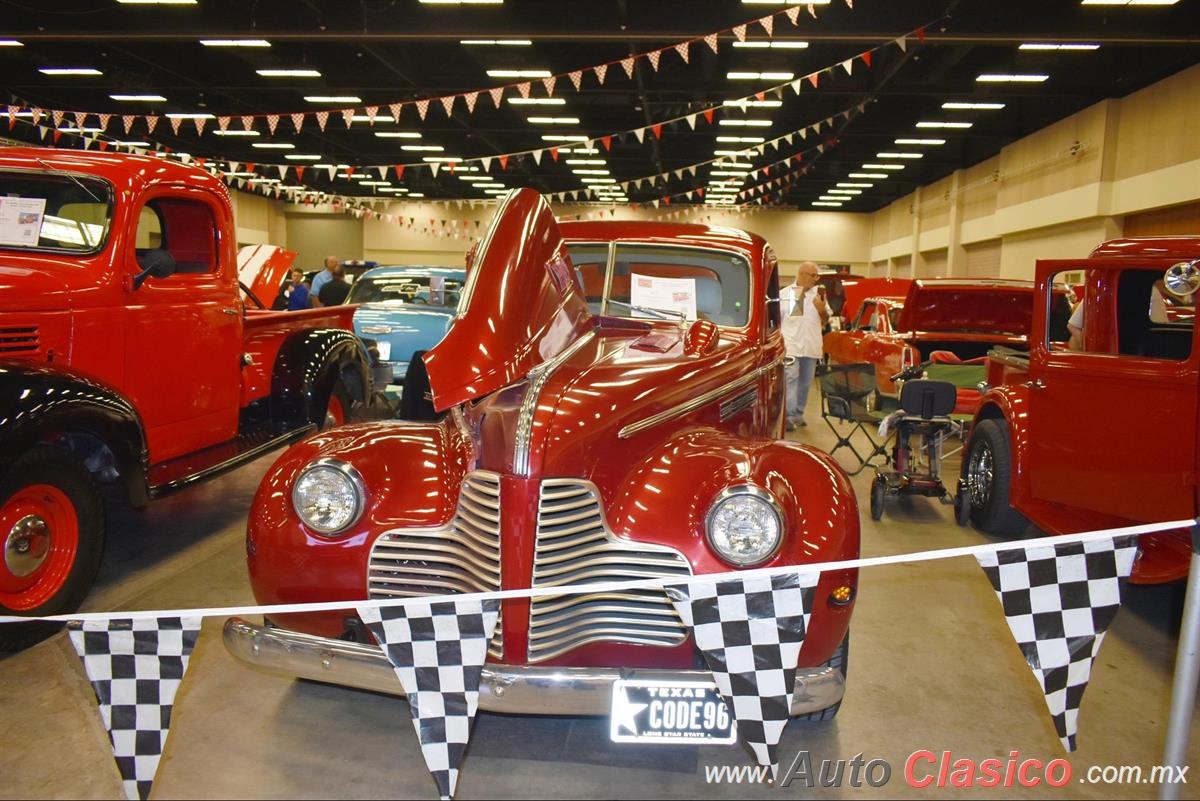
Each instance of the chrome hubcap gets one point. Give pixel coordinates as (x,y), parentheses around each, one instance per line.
(979,476)
(27,545)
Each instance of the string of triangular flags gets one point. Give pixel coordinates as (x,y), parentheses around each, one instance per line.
(16,110)
(448,102)
(1059,596)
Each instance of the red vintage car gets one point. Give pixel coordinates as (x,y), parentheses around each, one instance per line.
(1105,436)
(580,443)
(951,322)
(129,360)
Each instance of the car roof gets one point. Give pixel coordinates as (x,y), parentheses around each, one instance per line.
(124,171)
(694,234)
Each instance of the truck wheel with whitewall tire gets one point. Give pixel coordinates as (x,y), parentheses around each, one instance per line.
(52,530)
(987,479)
(840,661)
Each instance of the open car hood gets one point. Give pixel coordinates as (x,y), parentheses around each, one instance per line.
(521,306)
(261,269)
(982,306)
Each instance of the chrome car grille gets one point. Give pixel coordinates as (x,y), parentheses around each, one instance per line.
(574,546)
(462,557)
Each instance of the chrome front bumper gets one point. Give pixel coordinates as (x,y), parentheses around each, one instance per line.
(503,688)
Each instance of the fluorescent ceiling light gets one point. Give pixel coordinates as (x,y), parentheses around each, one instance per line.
(1054,46)
(747,123)
(133,144)
(1011,77)
(398,134)
(920,141)
(845,191)
(584,150)
(497,42)
(490,185)
(734,153)
(241,174)
(375,183)
(565,138)
(760,76)
(591,172)
(442,159)
(274,145)
(70,71)
(236,132)
(289,73)
(729,172)
(855,186)
(518,73)
(933,124)
(537,101)
(495,191)
(302,157)
(834,197)
(899,155)
(734,164)
(883,166)
(139,98)
(157,2)
(10,43)
(754,140)
(786,2)
(378,118)
(190,116)
(599,180)
(235,43)
(752,103)
(825,203)
(585,162)
(553,120)
(876,175)
(1129,2)
(76,129)
(461,2)
(974,106)
(263,181)
(423,148)
(416,194)
(762,43)
(332,99)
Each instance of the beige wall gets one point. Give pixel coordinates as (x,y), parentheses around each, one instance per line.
(315,236)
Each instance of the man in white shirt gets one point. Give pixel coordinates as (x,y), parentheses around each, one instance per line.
(805,313)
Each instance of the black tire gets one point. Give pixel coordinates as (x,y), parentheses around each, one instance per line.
(46,465)
(841,661)
(878,496)
(987,477)
(962,507)
(340,396)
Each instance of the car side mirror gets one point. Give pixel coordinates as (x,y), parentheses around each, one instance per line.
(155,264)
(1182,279)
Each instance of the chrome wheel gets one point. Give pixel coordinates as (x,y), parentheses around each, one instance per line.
(980,469)
(27,545)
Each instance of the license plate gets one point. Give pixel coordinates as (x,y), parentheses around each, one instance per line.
(385,351)
(669,712)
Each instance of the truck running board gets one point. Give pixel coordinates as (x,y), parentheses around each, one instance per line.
(202,465)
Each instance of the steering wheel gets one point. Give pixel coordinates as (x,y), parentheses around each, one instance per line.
(251,295)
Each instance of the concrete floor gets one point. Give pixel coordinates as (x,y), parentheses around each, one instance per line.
(932,666)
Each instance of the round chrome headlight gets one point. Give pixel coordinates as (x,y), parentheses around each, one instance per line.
(329,496)
(744,525)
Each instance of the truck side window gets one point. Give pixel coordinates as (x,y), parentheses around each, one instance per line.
(774,314)
(184,228)
(1152,323)
(867,318)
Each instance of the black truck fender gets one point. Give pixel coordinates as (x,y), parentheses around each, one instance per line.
(307,369)
(88,420)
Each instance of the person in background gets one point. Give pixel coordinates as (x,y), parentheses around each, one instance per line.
(336,289)
(322,278)
(1075,328)
(297,291)
(807,312)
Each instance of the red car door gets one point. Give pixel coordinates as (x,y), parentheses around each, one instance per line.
(1113,429)
(184,332)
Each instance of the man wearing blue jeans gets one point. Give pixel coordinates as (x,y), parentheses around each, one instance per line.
(806,312)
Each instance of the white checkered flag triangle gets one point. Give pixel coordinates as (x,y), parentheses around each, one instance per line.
(438,649)
(135,667)
(1059,601)
(750,632)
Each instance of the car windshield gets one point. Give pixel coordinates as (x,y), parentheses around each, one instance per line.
(424,290)
(655,282)
(54,211)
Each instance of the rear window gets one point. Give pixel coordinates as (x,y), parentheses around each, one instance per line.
(421,290)
(55,212)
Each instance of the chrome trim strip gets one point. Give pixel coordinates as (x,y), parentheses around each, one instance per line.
(695,403)
(511,689)
(537,379)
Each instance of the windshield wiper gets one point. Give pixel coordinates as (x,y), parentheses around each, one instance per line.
(665,314)
(75,180)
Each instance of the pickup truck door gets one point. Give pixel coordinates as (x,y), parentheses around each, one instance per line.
(1112,429)
(184,333)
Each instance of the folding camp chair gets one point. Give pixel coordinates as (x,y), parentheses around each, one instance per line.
(848,396)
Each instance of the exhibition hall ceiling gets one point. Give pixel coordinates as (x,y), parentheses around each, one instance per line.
(651,114)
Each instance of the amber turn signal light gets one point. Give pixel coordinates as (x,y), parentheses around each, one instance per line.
(841,596)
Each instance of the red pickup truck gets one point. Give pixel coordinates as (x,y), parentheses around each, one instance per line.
(1104,434)
(129,359)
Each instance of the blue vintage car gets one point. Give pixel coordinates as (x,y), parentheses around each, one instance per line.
(405,310)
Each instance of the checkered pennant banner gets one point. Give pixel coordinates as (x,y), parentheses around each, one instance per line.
(135,667)
(438,649)
(750,632)
(1059,602)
